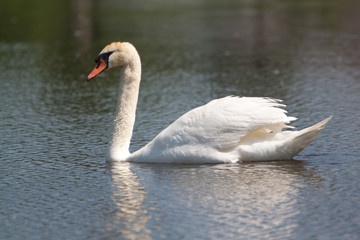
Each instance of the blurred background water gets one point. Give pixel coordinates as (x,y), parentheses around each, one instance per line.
(54,126)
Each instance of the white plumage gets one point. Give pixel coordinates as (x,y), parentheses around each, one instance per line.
(225,130)
(228,130)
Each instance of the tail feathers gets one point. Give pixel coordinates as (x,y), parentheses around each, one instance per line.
(307,135)
(319,125)
(262,146)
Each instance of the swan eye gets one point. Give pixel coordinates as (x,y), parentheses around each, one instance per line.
(104,56)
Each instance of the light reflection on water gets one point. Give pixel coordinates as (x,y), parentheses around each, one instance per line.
(130,217)
(54,125)
(202,193)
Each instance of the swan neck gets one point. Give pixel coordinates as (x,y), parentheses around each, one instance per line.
(125,111)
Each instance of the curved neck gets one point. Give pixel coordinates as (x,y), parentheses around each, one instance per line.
(125,111)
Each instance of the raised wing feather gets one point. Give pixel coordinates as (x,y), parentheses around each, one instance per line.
(227,120)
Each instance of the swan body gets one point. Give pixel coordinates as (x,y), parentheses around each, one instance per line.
(226,130)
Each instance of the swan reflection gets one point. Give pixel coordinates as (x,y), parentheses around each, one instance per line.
(230,200)
(130,219)
(209,201)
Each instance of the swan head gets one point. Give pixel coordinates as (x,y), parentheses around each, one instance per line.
(116,54)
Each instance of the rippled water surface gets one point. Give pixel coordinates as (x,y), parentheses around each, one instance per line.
(54,126)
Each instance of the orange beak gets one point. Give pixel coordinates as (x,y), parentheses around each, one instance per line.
(100,66)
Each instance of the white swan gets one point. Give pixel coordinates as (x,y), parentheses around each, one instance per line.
(226,130)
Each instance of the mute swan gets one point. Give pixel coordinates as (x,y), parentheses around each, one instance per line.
(227,130)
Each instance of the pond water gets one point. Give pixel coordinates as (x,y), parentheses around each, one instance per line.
(54,125)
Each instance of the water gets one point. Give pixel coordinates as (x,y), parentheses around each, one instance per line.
(54,126)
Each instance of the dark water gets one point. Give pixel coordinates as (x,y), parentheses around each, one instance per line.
(54,126)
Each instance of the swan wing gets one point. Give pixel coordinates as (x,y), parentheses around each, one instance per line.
(211,132)
(232,118)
